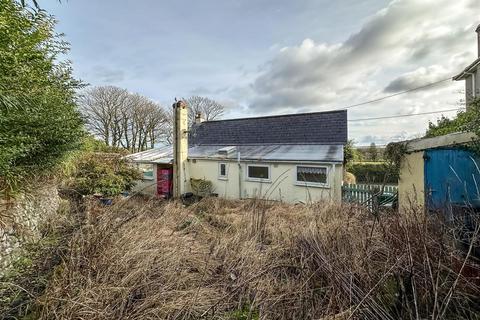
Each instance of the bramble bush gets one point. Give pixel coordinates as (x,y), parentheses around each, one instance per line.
(102,173)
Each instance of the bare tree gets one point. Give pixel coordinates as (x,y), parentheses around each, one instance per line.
(166,132)
(101,107)
(210,109)
(123,119)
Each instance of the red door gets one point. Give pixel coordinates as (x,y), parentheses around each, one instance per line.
(164,182)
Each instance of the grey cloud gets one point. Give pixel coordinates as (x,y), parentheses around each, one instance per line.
(418,78)
(384,139)
(200,91)
(424,76)
(108,75)
(430,45)
(473,5)
(205,91)
(314,74)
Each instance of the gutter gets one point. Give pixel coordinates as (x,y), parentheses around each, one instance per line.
(266,160)
(466,71)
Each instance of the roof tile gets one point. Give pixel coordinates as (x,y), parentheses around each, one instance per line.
(305,128)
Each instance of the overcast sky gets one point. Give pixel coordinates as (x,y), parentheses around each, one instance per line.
(262,57)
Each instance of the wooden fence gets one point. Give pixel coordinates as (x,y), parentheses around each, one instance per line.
(370,195)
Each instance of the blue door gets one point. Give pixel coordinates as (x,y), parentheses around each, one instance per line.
(451,177)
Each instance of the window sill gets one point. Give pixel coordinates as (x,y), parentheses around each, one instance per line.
(258,180)
(313,185)
(223,178)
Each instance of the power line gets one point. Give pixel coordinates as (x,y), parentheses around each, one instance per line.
(405,115)
(396,94)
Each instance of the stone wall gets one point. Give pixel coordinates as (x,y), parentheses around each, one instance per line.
(20,218)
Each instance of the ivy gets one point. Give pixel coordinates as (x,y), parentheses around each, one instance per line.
(394,155)
(466,121)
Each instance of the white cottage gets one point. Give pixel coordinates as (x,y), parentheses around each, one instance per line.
(296,158)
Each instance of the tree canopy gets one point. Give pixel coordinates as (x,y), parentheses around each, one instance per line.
(123,119)
(468,120)
(39,123)
(373,152)
(208,108)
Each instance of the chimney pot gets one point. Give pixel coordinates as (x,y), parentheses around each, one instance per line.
(180,104)
(199,118)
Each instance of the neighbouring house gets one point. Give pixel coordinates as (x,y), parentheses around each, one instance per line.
(439,173)
(471,75)
(295,158)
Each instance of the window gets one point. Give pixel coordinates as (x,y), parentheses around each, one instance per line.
(258,173)
(312,176)
(147,170)
(222,171)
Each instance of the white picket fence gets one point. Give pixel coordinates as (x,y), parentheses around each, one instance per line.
(364,194)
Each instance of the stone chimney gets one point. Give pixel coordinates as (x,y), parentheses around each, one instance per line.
(478,39)
(180,148)
(199,118)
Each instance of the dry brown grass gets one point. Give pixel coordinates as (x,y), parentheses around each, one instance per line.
(221,259)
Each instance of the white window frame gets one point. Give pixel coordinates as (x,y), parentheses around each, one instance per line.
(312,184)
(269,179)
(220,177)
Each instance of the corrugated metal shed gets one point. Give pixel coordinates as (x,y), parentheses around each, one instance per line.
(277,152)
(157,155)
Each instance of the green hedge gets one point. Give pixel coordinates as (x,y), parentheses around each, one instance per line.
(39,121)
(371,172)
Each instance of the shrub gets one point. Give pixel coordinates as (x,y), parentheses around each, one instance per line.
(468,120)
(104,173)
(350,153)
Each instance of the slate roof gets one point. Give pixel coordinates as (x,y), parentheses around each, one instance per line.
(304,128)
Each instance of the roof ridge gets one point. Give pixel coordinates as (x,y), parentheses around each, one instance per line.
(279,115)
(267,144)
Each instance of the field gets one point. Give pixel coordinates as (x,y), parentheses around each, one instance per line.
(218,259)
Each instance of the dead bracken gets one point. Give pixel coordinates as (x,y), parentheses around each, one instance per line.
(250,259)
